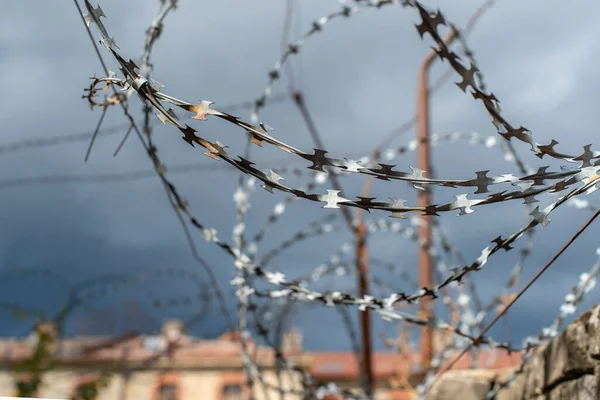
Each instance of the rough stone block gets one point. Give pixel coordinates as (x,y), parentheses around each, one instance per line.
(464,385)
(567,367)
(593,325)
(536,372)
(514,391)
(570,351)
(584,388)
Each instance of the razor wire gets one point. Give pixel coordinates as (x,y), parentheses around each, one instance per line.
(538,214)
(149,91)
(586,173)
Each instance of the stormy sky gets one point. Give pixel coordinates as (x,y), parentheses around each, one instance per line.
(358,77)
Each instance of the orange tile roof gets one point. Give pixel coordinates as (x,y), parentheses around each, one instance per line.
(135,348)
(400,394)
(324,366)
(343,365)
(331,366)
(490,359)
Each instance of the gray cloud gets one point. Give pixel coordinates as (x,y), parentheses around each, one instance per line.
(359,78)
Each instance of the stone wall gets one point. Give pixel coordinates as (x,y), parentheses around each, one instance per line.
(567,367)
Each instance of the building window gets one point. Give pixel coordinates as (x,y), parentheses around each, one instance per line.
(167,391)
(232,392)
(168,387)
(86,391)
(86,387)
(233,387)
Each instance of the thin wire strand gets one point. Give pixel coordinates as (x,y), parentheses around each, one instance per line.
(207,268)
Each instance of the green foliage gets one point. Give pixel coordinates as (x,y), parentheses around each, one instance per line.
(31,370)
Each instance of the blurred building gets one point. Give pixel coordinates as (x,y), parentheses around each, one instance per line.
(175,366)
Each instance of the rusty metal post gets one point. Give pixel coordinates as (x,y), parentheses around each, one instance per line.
(362,260)
(423,199)
(362,263)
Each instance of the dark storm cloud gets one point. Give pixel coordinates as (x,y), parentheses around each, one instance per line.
(359,79)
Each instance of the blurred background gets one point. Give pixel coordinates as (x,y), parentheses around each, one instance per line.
(106,226)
